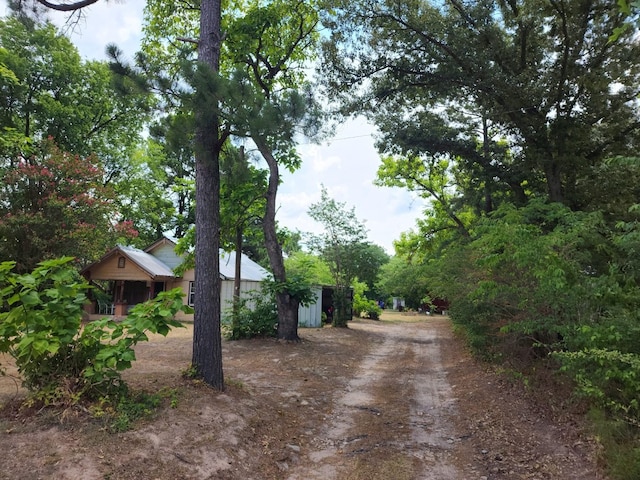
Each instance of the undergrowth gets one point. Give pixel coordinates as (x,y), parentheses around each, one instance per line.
(64,364)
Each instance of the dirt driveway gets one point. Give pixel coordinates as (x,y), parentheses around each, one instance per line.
(396,399)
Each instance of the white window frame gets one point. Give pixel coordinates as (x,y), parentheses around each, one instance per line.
(192,293)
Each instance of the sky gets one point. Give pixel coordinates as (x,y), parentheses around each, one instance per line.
(345,164)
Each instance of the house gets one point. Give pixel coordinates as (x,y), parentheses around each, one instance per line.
(126,276)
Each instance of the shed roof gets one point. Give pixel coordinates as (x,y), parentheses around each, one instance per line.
(250,270)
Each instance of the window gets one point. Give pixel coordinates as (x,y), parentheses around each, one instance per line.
(192,293)
(121,262)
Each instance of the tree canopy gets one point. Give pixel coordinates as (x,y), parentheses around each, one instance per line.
(52,204)
(342,246)
(53,93)
(526,96)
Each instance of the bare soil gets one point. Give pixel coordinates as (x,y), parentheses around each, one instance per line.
(395,399)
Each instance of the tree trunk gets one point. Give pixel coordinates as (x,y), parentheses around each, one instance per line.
(287,306)
(237,278)
(486,153)
(287,317)
(207,342)
(342,307)
(554,181)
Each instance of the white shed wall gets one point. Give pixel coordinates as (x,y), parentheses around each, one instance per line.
(226,291)
(311,316)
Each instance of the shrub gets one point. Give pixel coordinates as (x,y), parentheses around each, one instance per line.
(61,362)
(256,316)
(363,307)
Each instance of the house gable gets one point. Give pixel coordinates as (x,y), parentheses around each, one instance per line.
(128,263)
(116,266)
(167,255)
(164,250)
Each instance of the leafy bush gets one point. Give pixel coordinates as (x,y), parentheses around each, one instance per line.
(524,279)
(363,307)
(256,316)
(61,362)
(543,280)
(611,379)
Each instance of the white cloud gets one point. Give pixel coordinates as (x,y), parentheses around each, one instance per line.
(348,178)
(320,163)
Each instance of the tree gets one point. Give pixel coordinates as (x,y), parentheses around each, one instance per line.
(372,259)
(538,74)
(269,46)
(261,91)
(53,93)
(174,133)
(55,204)
(242,198)
(146,196)
(207,340)
(311,267)
(207,349)
(405,279)
(341,246)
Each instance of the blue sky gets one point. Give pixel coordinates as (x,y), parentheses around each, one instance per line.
(345,164)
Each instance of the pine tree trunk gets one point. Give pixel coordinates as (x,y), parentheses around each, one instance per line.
(207,342)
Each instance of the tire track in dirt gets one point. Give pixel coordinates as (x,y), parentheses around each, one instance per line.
(391,419)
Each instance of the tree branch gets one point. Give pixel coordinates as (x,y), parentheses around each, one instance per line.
(67,7)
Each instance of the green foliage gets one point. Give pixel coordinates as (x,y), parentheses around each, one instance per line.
(146,196)
(54,204)
(119,416)
(342,246)
(54,93)
(630,9)
(620,443)
(405,278)
(487,93)
(611,379)
(543,280)
(61,362)
(256,316)
(296,286)
(313,268)
(363,307)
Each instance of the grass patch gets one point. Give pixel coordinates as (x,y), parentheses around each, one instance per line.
(121,415)
(621,445)
(232,382)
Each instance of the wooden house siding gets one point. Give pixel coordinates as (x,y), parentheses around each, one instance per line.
(109,270)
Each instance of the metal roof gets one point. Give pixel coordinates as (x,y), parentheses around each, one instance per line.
(156,268)
(250,270)
(146,261)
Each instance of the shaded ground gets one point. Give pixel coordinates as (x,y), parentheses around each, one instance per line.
(396,399)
